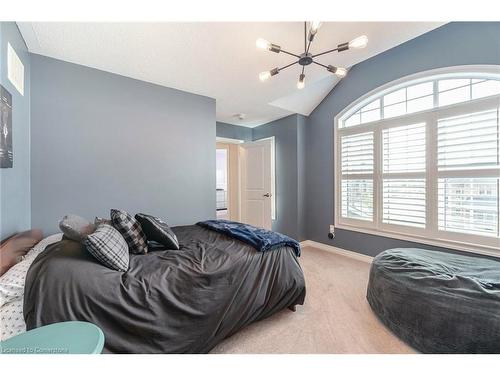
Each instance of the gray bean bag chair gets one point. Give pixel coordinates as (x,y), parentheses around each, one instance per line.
(438,302)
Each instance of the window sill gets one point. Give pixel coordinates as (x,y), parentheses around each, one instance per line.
(461,246)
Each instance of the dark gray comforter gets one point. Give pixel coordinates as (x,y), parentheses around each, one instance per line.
(174,301)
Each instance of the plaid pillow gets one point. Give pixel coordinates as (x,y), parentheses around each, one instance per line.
(131,231)
(107,245)
(157,230)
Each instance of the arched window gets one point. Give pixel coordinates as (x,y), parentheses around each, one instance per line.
(419,159)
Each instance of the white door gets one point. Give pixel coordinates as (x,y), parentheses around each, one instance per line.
(257,182)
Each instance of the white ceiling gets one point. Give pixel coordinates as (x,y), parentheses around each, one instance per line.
(218,59)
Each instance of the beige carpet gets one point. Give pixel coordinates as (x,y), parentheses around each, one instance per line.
(335,317)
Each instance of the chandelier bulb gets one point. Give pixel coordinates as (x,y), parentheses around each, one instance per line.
(261,43)
(264,76)
(359,42)
(315,25)
(341,72)
(301,83)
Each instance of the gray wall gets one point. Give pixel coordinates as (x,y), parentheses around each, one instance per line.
(15,206)
(451,44)
(288,183)
(100,141)
(301,176)
(233,131)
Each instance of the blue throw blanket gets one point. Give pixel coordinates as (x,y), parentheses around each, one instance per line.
(261,239)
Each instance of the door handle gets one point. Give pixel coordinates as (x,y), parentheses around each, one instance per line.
(267,195)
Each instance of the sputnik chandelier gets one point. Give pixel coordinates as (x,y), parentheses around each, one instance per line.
(307,58)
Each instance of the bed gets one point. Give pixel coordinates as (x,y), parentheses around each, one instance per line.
(169,301)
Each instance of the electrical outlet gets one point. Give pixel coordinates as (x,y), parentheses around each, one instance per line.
(331,232)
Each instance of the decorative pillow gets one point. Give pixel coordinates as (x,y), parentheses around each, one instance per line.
(100,220)
(15,247)
(75,227)
(107,245)
(131,231)
(157,230)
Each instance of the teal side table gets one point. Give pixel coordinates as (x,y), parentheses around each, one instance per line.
(58,338)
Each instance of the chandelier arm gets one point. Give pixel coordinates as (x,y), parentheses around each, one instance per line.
(287,66)
(324,53)
(303,67)
(308,46)
(289,53)
(305,36)
(317,63)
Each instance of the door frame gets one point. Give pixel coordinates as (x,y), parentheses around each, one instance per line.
(224,146)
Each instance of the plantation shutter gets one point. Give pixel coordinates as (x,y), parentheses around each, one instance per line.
(357,176)
(468,187)
(404,185)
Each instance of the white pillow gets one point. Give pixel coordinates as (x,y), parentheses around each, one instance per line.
(12,290)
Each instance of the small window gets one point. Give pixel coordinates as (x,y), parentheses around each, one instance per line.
(357,153)
(369,113)
(404,202)
(468,142)
(453,91)
(15,69)
(483,88)
(395,97)
(357,199)
(468,205)
(404,149)
(419,91)
(357,163)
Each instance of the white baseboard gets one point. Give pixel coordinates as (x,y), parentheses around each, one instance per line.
(337,250)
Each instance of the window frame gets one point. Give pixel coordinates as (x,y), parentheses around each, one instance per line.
(430,235)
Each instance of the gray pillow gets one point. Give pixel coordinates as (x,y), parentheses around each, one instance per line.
(76,227)
(157,230)
(108,246)
(100,220)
